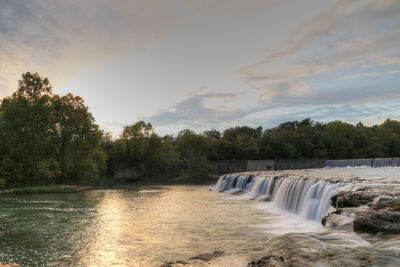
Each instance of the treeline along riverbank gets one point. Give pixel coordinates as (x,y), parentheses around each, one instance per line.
(46,138)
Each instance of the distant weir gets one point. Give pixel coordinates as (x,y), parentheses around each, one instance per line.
(309,199)
(373,163)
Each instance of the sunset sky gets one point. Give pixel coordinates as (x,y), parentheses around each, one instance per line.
(210,64)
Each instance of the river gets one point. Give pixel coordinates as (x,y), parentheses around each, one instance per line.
(151,225)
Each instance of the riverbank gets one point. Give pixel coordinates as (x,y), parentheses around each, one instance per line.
(143,181)
(162,180)
(9,265)
(48,189)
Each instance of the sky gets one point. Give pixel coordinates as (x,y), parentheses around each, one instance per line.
(210,64)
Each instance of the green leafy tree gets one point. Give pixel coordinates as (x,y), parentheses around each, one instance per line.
(78,139)
(47,136)
(27,117)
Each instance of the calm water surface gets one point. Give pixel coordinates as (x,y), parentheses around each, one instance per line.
(141,226)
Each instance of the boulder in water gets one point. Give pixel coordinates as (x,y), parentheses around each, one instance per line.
(172,263)
(352,199)
(264,198)
(268,261)
(208,256)
(383,217)
(166,264)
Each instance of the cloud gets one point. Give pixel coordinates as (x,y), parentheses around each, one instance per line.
(60,38)
(362,75)
(302,76)
(193,112)
(346,34)
(221,62)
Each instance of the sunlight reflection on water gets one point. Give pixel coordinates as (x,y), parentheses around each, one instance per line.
(147,226)
(126,227)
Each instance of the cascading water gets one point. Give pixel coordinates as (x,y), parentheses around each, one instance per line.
(342,163)
(386,162)
(375,163)
(233,183)
(309,199)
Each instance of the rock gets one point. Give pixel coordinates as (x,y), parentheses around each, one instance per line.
(383,217)
(324,219)
(182,262)
(208,256)
(264,198)
(237,192)
(389,203)
(166,264)
(352,199)
(268,261)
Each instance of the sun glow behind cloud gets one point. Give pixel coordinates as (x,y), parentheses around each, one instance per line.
(212,63)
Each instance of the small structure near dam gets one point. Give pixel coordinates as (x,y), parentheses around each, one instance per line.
(233,166)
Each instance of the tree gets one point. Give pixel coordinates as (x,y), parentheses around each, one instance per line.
(193,148)
(26,121)
(135,137)
(78,139)
(47,136)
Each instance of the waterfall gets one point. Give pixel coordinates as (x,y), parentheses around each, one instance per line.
(386,162)
(233,183)
(309,199)
(375,163)
(342,163)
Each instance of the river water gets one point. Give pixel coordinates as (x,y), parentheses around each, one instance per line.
(141,226)
(151,225)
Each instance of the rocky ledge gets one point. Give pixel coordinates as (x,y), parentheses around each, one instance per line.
(352,199)
(208,256)
(268,261)
(383,217)
(365,211)
(192,261)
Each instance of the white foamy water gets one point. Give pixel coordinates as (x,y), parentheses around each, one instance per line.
(295,202)
(308,198)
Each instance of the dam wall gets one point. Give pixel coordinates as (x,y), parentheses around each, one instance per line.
(229,166)
(292,164)
(373,163)
(234,166)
